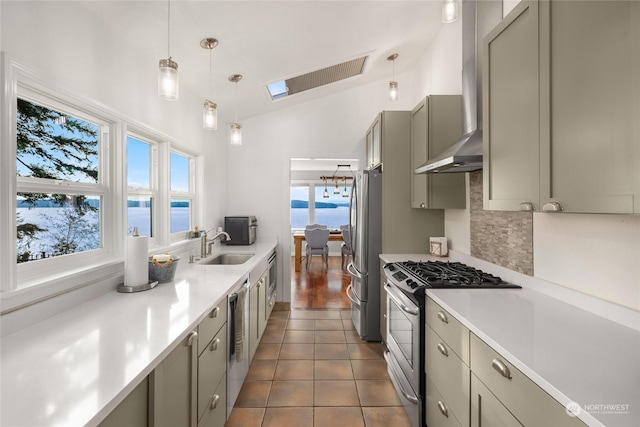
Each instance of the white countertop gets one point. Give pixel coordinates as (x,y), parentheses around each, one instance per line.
(571,353)
(74,368)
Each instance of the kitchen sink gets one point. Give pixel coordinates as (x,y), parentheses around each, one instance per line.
(227,259)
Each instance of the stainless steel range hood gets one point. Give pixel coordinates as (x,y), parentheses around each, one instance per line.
(478,18)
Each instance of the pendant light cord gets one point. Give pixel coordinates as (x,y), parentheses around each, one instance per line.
(236,102)
(210,72)
(169,28)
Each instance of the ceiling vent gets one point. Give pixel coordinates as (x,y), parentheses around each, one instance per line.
(283,88)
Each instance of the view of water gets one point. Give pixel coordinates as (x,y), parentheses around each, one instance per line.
(331,217)
(138,216)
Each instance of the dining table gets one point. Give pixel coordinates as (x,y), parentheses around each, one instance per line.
(298,237)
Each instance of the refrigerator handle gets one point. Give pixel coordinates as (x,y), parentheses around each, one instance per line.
(353,207)
(351,298)
(353,271)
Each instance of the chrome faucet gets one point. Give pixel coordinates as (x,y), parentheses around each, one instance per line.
(205,244)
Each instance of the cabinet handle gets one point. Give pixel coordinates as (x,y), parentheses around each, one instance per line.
(214,344)
(443,409)
(214,313)
(214,402)
(443,317)
(443,350)
(422,205)
(526,207)
(552,206)
(192,337)
(503,369)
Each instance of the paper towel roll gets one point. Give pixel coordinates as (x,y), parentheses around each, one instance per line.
(136,263)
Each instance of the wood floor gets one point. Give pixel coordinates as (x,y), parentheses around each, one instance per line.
(319,288)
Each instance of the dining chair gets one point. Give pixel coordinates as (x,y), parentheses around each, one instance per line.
(346,246)
(317,239)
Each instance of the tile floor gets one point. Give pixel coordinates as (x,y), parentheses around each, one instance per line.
(312,370)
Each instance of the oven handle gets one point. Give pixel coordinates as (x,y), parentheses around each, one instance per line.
(389,291)
(351,298)
(410,397)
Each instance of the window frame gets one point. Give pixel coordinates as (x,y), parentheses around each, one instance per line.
(102,269)
(190,195)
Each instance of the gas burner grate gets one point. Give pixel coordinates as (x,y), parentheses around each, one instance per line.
(439,274)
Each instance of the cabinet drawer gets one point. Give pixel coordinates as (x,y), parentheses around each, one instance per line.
(212,365)
(486,409)
(525,400)
(211,324)
(216,410)
(452,331)
(449,374)
(438,412)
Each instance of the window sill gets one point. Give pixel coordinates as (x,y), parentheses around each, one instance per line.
(59,284)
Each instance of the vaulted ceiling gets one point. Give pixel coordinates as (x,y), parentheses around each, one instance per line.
(267,41)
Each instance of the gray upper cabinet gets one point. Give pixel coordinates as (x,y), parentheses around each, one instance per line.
(561,101)
(590,78)
(436,124)
(510,111)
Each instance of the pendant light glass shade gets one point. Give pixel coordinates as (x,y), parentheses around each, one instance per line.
(210,115)
(450,11)
(393,90)
(393,84)
(345,193)
(336,190)
(168,80)
(235,129)
(235,134)
(325,195)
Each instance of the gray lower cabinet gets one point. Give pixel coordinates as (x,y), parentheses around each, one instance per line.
(561,104)
(257,313)
(436,124)
(173,387)
(215,414)
(487,410)
(132,411)
(525,400)
(212,384)
(447,368)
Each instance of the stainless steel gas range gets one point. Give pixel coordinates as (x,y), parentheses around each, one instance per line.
(405,285)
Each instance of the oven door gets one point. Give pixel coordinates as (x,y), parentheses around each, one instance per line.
(403,334)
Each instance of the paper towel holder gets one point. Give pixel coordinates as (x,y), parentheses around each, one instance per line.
(137,288)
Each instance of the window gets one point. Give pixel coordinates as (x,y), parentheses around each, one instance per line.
(57,150)
(141,196)
(332,211)
(181,192)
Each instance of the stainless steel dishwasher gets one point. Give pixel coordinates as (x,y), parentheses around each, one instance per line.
(238,339)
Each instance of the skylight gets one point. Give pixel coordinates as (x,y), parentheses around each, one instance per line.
(277,89)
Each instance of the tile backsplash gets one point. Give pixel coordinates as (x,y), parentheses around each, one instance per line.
(500,237)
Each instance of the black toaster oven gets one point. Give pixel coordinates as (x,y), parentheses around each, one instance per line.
(241,229)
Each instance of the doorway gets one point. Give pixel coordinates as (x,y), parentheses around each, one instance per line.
(320,191)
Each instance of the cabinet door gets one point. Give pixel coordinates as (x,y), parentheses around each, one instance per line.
(383,305)
(448,190)
(262,305)
(511,109)
(254,335)
(173,387)
(216,411)
(590,78)
(419,136)
(486,409)
(132,411)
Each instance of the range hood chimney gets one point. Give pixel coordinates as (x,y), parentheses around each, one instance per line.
(478,18)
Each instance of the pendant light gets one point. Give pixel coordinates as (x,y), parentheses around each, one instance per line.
(393,85)
(325,195)
(210,109)
(168,79)
(235,129)
(345,193)
(450,11)
(336,190)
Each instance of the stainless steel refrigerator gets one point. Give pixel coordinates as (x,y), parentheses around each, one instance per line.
(365,226)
